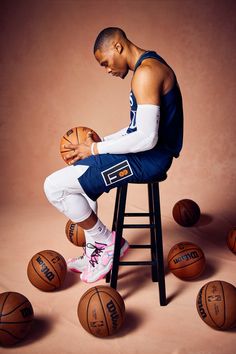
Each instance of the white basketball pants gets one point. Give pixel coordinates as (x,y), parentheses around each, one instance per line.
(64,191)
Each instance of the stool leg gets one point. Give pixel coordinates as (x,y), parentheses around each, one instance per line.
(114,223)
(119,232)
(159,245)
(152,234)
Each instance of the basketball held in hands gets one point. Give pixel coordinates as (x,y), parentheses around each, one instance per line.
(77,135)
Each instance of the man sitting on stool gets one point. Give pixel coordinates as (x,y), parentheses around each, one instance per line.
(141,152)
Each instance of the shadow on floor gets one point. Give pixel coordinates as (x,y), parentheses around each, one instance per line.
(133,279)
(179,289)
(211,231)
(205,219)
(133,320)
(41,327)
(71,279)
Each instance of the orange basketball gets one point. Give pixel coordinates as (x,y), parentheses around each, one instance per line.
(186,260)
(47,270)
(101,311)
(231,240)
(16,318)
(186,212)
(75,233)
(216,304)
(76,136)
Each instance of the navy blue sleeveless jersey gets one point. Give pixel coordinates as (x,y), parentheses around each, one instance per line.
(170,133)
(107,171)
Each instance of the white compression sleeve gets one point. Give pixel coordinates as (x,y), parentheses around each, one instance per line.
(144,138)
(115,135)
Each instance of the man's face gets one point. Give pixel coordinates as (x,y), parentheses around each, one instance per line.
(114,63)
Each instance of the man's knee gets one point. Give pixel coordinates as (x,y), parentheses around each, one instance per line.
(54,193)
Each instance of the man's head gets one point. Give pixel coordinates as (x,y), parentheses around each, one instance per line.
(109,50)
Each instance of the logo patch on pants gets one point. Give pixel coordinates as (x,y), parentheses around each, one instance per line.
(116,173)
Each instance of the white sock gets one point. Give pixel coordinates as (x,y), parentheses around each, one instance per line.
(98,233)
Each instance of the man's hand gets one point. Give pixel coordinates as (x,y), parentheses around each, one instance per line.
(79,151)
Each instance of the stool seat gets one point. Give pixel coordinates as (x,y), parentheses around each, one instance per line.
(156,261)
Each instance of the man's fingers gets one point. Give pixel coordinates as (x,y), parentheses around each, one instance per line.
(73,161)
(71,155)
(78,157)
(70,146)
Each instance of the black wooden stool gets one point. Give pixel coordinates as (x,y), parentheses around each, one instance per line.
(156,247)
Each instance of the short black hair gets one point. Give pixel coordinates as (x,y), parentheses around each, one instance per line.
(106,34)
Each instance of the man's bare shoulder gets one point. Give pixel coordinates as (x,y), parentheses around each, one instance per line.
(157,73)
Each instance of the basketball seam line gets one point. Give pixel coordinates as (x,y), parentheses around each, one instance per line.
(185,211)
(77,135)
(15,308)
(52,267)
(4,304)
(41,277)
(103,291)
(77,235)
(18,338)
(108,330)
(86,293)
(224,303)
(67,140)
(208,308)
(87,321)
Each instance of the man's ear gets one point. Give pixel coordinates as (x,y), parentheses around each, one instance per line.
(119,48)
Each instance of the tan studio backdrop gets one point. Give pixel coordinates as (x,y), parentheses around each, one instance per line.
(51,82)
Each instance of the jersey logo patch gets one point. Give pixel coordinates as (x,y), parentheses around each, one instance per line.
(116,173)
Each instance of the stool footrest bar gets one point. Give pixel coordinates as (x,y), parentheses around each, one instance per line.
(140,263)
(140,246)
(136,214)
(138,226)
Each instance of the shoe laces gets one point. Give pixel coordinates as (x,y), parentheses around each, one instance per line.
(87,245)
(96,253)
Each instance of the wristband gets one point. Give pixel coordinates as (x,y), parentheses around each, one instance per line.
(92,149)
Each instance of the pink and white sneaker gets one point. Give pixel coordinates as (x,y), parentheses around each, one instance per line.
(79,264)
(101,260)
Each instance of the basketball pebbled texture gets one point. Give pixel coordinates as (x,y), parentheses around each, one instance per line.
(101,311)
(75,234)
(186,260)
(216,304)
(47,270)
(186,212)
(16,318)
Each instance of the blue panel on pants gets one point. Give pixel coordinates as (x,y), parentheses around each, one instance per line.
(107,171)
